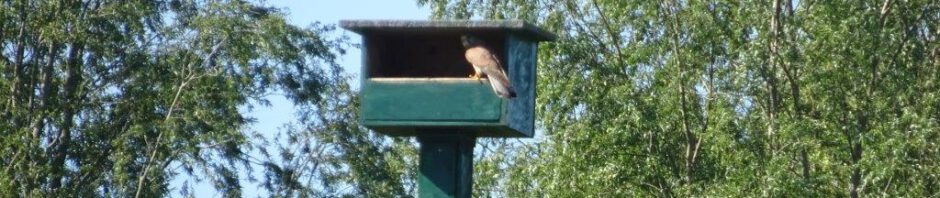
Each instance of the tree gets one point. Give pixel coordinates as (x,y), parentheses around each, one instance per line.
(113,98)
(725,98)
(328,154)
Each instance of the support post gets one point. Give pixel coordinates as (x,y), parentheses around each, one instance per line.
(446,165)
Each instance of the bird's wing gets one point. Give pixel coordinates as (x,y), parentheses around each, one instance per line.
(481,57)
(486,61)
(490,65)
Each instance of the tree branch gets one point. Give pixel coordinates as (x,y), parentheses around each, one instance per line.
(207,61)
(610,33)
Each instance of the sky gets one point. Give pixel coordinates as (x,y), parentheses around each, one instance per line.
(303,13)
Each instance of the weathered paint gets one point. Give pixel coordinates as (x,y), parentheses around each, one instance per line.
(414,77)
(429,100)
(404,106)
(521,65)
(446,165)
(413,85)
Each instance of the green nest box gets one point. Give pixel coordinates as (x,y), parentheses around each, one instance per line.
(415,77)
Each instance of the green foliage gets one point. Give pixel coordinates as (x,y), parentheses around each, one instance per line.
(636,98)
(116,98)
(724,98)
(328,154)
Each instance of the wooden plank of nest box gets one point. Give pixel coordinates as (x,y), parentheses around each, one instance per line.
(416,100)
(522,28)
(428,79)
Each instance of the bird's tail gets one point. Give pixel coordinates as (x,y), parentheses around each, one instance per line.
(501,86)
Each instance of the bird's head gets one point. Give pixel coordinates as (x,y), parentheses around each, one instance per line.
(470,41)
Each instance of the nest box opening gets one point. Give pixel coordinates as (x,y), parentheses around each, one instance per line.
(425,54)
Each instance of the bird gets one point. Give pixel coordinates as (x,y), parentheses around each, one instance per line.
(486,63)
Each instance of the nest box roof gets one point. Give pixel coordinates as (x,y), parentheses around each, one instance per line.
(520,28)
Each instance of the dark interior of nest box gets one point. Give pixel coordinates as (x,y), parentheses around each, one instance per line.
(425,55)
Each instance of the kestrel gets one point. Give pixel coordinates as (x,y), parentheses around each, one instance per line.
(487,63)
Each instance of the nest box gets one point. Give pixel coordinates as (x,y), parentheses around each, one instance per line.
(415,77)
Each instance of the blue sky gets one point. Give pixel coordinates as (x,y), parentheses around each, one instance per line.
(302,13)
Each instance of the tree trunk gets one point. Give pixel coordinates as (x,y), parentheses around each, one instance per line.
(71,90)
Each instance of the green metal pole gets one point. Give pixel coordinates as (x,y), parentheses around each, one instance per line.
(446,166)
